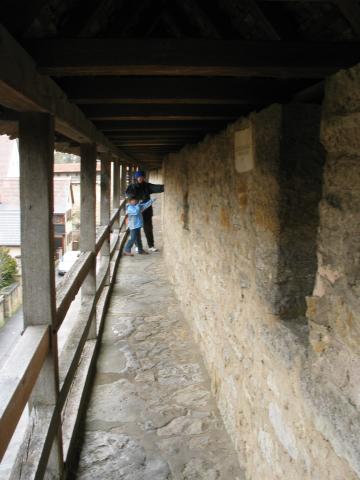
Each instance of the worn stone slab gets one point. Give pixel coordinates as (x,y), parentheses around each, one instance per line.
(152,415)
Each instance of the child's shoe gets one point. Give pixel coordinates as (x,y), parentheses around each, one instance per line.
(128,254)
(153,249)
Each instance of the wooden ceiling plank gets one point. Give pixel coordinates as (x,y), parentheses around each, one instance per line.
(100,14)
(200,18)
(19,16)
(350,9)
(258,15)
(137,16)
(184,57)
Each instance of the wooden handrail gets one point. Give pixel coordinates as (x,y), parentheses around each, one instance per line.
(67,291)
(102,234)
(18,377)
(104,231)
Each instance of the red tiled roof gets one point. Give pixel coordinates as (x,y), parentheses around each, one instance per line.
(71,167)
(10,193)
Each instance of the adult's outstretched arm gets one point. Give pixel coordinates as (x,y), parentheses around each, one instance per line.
(156,188)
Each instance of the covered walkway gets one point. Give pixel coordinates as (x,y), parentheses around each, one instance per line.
(151,414)
(249,113)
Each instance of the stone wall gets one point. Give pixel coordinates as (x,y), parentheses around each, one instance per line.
(270,282)
(11,299)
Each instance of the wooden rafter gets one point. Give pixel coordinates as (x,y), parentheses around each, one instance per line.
(137,16)
(100,14)
(236,10)
(200,18)
(259,16)
(350,9)
(166,18)
(19,15)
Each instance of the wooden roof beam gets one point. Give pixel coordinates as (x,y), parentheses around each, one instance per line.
(160,90)
(183,57)
(22,88)
(144,125)
(125,112)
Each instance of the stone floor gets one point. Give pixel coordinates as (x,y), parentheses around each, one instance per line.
(151,414)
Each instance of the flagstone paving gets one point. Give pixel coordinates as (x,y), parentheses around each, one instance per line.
(151,415)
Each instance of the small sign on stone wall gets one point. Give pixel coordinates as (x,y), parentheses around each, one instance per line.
(244,152)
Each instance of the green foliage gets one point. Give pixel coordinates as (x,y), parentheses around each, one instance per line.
(61,157)
(8,268)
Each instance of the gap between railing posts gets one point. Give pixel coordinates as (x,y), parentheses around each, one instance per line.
(22,369)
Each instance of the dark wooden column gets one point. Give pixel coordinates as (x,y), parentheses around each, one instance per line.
(105,214)
(36,133)
(116,190)
(88,222)
(123,179)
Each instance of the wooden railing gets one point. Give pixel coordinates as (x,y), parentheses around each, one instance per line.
(22,369)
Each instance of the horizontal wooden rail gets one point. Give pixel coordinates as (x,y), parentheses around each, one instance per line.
(114,216)
(117,212)
(101,236)
(122,223)
(72,351)
(68,289)
(101,279)
(18,377)
(104,231)
(114,244)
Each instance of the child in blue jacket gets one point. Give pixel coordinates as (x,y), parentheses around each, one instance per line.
(135,222)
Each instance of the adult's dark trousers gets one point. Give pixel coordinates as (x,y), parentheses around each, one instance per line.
(148,226)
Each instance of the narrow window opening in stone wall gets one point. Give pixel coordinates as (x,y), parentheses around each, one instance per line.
(186,209)
(300,181)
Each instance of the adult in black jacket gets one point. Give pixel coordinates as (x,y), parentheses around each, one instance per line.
(142,190)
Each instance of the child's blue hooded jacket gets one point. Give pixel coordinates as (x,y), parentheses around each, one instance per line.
(134,214)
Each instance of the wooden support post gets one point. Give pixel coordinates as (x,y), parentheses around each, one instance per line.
(36,132)
(105,214)
(116,190)
(123,179)
(88,222)
(133,170)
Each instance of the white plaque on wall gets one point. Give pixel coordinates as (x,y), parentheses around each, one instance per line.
(244,153)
